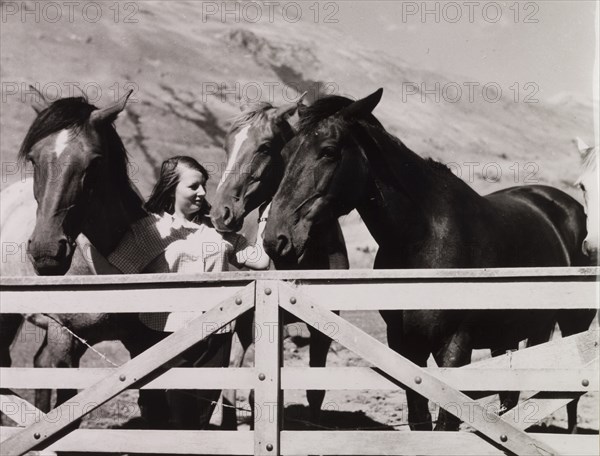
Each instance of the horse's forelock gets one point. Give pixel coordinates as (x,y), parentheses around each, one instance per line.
(320,110)
(66,113)
(249,116)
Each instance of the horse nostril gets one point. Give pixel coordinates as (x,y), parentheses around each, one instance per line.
(283,245)
(227,216)
(62,248)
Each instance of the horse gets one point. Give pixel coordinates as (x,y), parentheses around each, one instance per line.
(588,184)
(81,185)
(423,216)
(17,218)
(254,169)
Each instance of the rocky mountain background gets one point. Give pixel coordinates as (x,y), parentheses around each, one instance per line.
(191,71)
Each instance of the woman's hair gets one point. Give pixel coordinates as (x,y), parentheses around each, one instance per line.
(162,198)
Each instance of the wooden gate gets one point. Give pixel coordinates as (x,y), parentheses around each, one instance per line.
(558,371)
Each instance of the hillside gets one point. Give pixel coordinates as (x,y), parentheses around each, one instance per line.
(179,64)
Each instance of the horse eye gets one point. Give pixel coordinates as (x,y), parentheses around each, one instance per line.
(265,148)
(582,187)
(93,166)
(330,152)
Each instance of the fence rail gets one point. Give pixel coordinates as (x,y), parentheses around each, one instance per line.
(543,288)
(311,295)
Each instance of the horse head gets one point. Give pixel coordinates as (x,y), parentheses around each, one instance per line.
(71,145)
(588,183)
(254,163)
(325,177)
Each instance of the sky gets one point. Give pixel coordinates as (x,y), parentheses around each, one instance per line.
(551,43)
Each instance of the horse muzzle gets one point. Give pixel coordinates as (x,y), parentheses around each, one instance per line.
(287,250)
(225,221)
(51,258)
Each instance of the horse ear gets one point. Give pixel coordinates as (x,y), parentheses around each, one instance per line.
(582,147)
(110,113)
(286,110)
(290,108)
(39,102)
(363,107)
(300,101)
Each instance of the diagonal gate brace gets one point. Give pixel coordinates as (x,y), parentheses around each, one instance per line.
(17,409)
(132,372)
(503,434)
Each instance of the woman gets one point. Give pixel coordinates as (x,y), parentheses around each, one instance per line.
(179,212)
(177,236)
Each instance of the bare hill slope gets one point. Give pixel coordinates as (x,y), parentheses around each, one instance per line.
(189,73)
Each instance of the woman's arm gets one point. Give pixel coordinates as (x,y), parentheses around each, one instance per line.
(94,259)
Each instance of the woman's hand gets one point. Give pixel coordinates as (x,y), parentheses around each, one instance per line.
(263,214)
(255,256)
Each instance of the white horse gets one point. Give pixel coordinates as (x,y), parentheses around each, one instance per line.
(588,183)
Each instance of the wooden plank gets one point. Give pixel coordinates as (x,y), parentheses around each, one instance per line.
(245,277)
(22,412)
(328,378)
(131,373)
(151,441)
(359,443)
(522,294)
(571,353)
(565,353)
(90,300)
(491,293)
(536,408)
(518,294)
(541,404)
(364,443)
(175,378)
(356,378)
(267,359)
(296,442)
(498,431)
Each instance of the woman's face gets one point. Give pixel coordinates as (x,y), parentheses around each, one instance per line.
(189,193)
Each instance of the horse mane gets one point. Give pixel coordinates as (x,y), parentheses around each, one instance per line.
(439,166)
(62,114)
(321,109)
(250,115)
(589,163)
(388,154)
(324,107)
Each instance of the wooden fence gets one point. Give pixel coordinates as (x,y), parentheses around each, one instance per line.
(556,372)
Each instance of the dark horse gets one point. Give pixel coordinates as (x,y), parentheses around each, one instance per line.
(81,185)
(255,166)
(423,216)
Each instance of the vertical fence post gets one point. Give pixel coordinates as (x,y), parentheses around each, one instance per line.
(267,393)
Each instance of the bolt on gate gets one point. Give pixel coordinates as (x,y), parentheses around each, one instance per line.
(557,372)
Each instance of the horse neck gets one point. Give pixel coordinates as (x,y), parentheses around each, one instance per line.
(405,197)
(382,208)
(113,209)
